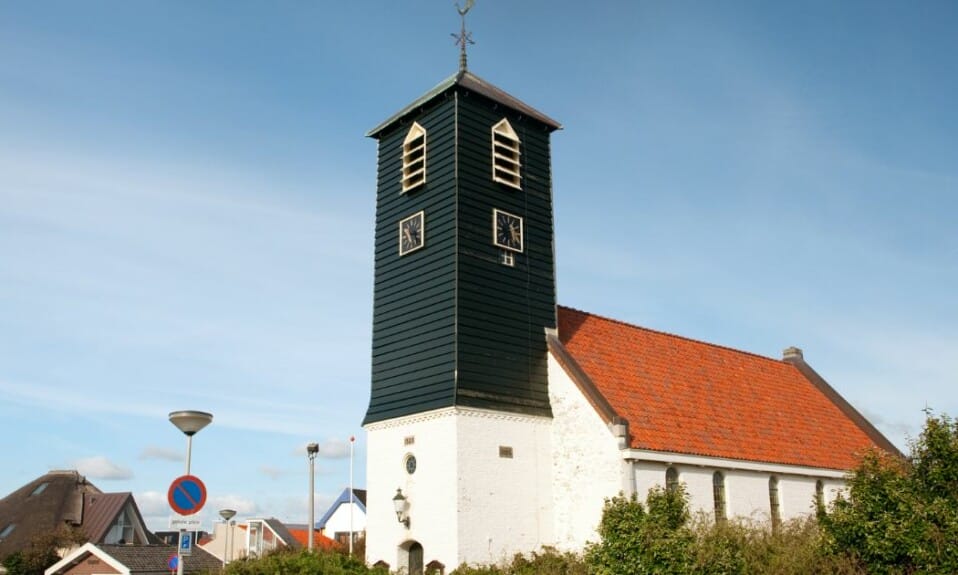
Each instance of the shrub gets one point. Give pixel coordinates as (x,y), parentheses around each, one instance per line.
(303,563)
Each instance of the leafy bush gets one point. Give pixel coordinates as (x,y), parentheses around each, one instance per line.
(901,516)
(637,540)
(303,563)
(547,562)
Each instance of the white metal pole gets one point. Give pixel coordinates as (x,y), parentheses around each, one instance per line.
(352,438)
(179,545)
(309,528)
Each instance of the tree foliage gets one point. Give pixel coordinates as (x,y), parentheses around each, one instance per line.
(42,552)
(901,515)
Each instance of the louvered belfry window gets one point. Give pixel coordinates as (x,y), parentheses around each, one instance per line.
(505,155)
(414,158)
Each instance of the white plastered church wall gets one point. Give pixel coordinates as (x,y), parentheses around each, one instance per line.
(431,491)
(466,504)
(746,490)
(505,503)
(587,463)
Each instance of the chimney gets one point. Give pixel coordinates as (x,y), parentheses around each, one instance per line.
(793,355)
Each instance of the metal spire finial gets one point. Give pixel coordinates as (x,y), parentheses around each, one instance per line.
(463,38)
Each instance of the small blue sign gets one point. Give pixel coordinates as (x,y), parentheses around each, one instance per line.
(173,562)
(186,543)
(187,495)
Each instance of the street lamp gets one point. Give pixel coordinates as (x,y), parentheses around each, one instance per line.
(189,422)
(227,514)
(311,450)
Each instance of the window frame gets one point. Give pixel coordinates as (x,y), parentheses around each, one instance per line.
(774,502)
(719,497)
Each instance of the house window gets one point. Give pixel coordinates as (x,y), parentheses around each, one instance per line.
(505,452)
(414,158)
(505,155)
(671,479)
(507,258)
(820,495)
(7,530)
(718,495)
(39,489)
(121,531)
(774,503)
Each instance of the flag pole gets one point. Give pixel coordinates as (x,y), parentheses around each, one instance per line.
(352,440)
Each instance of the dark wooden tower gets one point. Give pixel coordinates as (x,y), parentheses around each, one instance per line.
(464,267)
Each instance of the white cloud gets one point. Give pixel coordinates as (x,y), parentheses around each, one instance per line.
(152,452)
(272,472)
(99,467)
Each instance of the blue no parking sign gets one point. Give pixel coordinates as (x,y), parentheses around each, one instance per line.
(187,494)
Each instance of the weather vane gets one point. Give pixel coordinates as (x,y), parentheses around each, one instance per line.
(463,38)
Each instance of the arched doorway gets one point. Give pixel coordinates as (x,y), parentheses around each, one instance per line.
(415,559)
(410,557)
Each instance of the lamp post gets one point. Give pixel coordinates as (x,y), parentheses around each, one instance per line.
(311,450)
(227,514)
(190,423)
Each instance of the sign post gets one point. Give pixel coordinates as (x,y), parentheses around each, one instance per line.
(186,496)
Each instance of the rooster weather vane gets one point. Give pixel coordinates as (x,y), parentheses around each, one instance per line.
(463,38)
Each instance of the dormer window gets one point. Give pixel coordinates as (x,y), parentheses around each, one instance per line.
(505,155)
(414,158)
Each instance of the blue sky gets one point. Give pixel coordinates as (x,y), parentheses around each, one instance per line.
(187,206)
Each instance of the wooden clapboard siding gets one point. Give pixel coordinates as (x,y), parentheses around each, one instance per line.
(452,325)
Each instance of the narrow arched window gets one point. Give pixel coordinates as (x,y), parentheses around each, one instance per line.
(774,502)
(820,496)
(414,158)
(506,163)
(718,495)
(671,479)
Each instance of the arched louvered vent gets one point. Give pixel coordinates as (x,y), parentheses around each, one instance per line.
(505,155)
(414,158)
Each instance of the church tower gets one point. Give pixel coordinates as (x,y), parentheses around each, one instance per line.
(459,448)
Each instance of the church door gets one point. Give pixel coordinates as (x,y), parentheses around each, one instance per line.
(415,559)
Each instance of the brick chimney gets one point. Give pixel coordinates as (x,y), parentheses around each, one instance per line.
(793,355)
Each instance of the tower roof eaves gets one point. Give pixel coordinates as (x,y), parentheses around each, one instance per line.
(474,83)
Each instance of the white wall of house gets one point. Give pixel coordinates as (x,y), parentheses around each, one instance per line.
(466,503)
(587,463)
(339,521)
(218,547)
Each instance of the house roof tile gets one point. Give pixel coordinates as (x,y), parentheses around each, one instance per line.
(685,396)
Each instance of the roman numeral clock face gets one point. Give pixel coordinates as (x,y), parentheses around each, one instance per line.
(507,230)
(412,233)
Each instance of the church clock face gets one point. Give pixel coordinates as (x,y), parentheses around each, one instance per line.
(507,230)
(412,233)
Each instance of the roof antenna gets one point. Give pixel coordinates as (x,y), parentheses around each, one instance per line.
(463,38)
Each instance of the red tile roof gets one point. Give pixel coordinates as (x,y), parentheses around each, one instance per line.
(320,541)
(685,396)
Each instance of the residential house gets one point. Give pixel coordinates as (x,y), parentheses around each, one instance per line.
(66,500)
(106,559)
(346,515)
